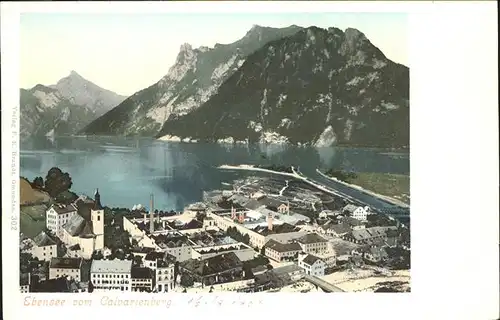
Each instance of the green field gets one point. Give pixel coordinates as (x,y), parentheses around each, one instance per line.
(392,185)
(32,220)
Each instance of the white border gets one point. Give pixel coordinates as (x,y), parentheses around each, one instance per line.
(454,168)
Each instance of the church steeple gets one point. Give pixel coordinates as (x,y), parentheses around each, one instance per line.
(97,200)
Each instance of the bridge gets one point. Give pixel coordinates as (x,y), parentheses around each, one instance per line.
(328,287)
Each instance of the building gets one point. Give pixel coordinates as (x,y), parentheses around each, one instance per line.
(163,265)
(312,265)
(259,228)
(109,275)
(293,271)
(313,243)
(24,282)
(370,236)
(142,279)
(242,251)
(84,231)
(282,251)
(65,267)
(42,247)
(218,269)
(357,212)
(59,214)
(165,275)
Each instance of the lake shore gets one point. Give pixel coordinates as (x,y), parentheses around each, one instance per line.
(372,193)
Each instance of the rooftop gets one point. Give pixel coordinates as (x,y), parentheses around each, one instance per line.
(65,263)
(341,228)
(310,259)
(42,240)
(78,226)
(154,256)
(64,208)
(141,273)
(342,247)
(287,269)
(111,266)
(311,238)
(282,247)
(350,208)
(212,265)
(280,228)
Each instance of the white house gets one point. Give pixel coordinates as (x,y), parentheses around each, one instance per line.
(312,265)
(357,212)
(313,243)
(42,247)
(111,275)
(59,214)
(65,267)
(163,266)
(279,251)
(84,231)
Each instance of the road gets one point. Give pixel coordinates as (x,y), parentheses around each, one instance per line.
(356,195)
(323,284)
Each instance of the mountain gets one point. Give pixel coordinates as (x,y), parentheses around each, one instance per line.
(80,91)
(44,111)
(190,82)
(316,87)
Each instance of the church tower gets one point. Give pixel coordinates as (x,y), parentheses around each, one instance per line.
(97,214)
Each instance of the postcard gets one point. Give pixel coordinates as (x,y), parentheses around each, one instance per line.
(223,155)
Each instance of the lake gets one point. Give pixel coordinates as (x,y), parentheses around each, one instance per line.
(127,171)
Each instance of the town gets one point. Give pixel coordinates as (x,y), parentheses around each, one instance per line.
(257,235)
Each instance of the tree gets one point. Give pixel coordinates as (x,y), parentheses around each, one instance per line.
(137,260)
(97,255)
(37,183)
(91,287)
(57,182)
(186,280)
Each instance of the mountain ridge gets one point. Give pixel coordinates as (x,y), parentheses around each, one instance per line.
(354,94)
(190,81)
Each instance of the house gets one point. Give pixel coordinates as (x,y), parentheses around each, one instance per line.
(353,223)
(293,271)
(284,208)
(343,249)
(162,264)
(357,212)
(218,269)
(42,247)
(282,251)
(165,275)
(59,214)
(65,267)
(24,282)
(338,230)
(142,279)
(86,228)
(373,254)
(53,285)
(107,275)
(369,236)
(312,265)
(313,243)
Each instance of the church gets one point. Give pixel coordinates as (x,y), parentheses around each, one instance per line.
(83,233)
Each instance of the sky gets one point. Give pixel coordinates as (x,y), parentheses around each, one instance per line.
(125,53)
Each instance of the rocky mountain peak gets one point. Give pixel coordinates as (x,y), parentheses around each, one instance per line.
(42,88)
(186,47)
